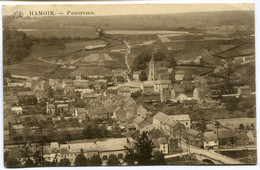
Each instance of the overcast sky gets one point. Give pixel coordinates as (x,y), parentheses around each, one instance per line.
(129,9)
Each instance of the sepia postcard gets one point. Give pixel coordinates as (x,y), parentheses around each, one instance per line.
(129,85)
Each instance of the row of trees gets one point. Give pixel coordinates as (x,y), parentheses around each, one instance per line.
(40,161)
(140,154)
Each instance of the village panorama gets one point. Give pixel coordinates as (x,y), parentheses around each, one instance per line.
(126,90)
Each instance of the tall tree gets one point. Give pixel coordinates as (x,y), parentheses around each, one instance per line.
(130,157)
(64,162)
(95,160)
(13,163)
(141,152)
(172,63)
(159,158)
(81,160)
(113,160)
(143,76)
(144,148)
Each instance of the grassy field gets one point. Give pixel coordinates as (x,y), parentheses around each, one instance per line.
(62,32)
(242,50)
(31,68)
(42,50)
(137,39)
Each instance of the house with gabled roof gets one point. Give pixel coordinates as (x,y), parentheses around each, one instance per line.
(194,137)
(119,113)
(177,92)
(159,119)
(173,128)
(210,140)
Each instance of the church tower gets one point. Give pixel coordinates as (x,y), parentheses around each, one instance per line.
(151,76)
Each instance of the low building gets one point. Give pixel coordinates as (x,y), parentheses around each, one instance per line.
(179,75)
(173,129)
(183,119)
(190,103)
(210,140)
(251,134)
(148,87)
(24,95)
(81,114)
(62,107)
(194,137)
(136,75)
(17,110)
(143,124)
(124,91)
(226,138)
(102,147)
(161,144)
(162,84)
(241,139)
(50,108)
(177,92)
(55,84)
(244,90)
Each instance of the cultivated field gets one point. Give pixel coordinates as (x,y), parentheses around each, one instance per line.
(82,32)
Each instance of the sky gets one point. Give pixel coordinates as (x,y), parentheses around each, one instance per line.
(129,9)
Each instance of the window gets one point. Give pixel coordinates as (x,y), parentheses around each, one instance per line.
(163,146)
(207,142)
(215,141)
(187,123)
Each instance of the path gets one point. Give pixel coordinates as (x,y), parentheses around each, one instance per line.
(47,61)
(128,50)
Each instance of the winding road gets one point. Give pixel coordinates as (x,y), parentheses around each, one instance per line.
(128,50)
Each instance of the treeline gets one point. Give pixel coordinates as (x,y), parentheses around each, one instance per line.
(140,62)
(16,46)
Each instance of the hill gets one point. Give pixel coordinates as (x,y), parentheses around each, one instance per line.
(142,22)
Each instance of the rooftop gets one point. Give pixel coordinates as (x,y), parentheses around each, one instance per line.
(210,136)
(192,132)
(180,117)
(159,82)
(148,84)
(162,117)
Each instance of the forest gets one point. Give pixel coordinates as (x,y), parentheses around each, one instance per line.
(16,46)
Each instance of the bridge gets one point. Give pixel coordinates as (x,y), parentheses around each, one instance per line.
(207,156)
